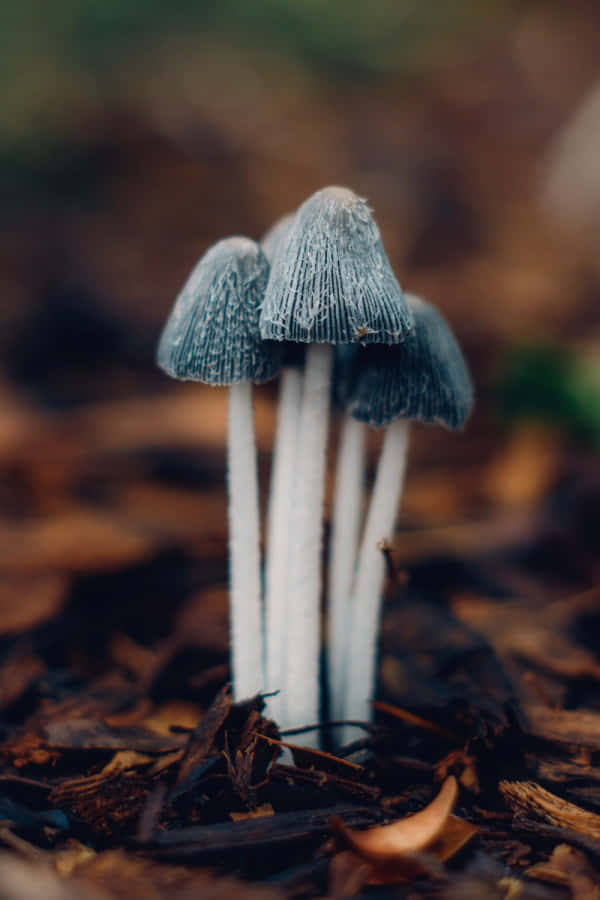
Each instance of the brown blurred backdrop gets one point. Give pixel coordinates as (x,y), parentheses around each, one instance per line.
(133,136)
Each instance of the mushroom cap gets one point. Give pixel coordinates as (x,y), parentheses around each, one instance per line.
(331,280)
(425,378)
(272,239)
(212,333)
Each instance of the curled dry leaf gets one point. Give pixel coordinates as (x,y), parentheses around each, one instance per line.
(392,851)
(410,835)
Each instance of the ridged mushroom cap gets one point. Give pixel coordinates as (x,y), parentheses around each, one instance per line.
(331,280)
(425,378)
(212,333)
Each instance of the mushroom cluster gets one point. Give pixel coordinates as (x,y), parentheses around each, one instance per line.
(318,303)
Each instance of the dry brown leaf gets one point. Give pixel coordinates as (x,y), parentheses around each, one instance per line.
(530,798)
(412,834)
(393,852)
(455,835)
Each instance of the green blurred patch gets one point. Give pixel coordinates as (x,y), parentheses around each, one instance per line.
(547,383)
(52,50)
(66,64)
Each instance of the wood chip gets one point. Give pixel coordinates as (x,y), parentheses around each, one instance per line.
(87,734)
(529,798)
(569,868)
(201,740)
(576,727)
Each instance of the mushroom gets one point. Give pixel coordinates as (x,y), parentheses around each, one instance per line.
(330,283)
(346,518)
(280,501)
(424,379)
(212,336)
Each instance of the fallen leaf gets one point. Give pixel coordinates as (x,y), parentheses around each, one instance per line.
(455,835)
(395,852)
(412,834)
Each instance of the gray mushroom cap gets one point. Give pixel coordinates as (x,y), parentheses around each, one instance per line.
(425,378)
(331,281)
(212,333)
(273,238)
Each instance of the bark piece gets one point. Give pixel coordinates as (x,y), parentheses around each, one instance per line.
(529,798)
(569,868)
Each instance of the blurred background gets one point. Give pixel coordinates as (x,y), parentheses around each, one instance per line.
(132,136)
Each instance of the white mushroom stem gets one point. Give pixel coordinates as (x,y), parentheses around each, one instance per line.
(345,534)
(366,600)
(278,535)
(244,551)
(306,532)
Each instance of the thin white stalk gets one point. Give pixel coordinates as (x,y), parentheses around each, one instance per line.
(278,535)
(366,600)
(306,534)
(244,551)
(345,534)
